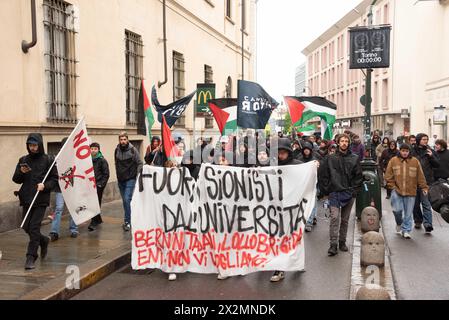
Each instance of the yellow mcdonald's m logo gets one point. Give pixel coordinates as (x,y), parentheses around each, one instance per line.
(204,97)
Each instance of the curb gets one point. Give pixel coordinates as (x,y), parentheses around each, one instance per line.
(90,273)
(359,276)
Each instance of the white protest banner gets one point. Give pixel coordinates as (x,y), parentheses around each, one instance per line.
(76,176)
(231,221)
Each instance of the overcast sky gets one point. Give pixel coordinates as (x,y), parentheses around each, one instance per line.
(285,28)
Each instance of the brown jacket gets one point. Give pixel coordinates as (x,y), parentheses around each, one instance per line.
(405,176)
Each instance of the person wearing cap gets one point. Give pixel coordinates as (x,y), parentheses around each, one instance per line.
(59,208)
(404,176)
(340,178)
(30,172)
(429,162)
(101,171)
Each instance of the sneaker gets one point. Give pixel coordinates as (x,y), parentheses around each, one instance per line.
(418,225)
(277,276)
(308,228)
(314,221)
(52,216)
(44,247)
(406,235)
(342,246)
(53,236)
(398,229)
(332,250)
(126,227)
(74,235)
(29,264)
(220,277)
(387,197)
(172,277)
(428,229)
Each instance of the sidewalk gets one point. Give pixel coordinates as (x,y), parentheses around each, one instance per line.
(420,265)
(96,254)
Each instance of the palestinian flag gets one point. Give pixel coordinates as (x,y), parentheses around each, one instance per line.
(225,113)
(307,130)
(311,107)
(145,119)
(295,108)
(170,148)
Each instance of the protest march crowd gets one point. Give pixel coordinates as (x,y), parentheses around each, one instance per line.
(407,167)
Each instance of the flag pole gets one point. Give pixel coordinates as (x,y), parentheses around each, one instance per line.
(48,172)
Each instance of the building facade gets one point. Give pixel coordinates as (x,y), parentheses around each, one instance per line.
(300,80)
(89,59)
(405,94)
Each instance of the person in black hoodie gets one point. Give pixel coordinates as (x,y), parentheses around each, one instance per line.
(187,161)
(30,172)
(429,161)
(385,158)
(127,165)
(340,178)
(307,155)
(101,171)
(442,172)
(285,158)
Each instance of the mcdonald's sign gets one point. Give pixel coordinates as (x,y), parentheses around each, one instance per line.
(204,93)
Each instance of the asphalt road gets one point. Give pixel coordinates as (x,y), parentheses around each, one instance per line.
(326,278)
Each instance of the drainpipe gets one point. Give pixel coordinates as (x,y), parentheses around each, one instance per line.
(28,45)
(160,84)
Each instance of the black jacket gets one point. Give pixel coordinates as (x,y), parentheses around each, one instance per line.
(40,164)
(340,172)
(428,163)
(127,162)
(156,158)
(101,170)
(386,156)
(442,172)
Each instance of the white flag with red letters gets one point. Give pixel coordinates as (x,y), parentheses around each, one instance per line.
(76,176)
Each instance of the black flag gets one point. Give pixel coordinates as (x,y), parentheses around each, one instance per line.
(254,105)
(173,111)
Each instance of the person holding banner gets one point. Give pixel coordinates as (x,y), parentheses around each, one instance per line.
(59,208)
(285,158)
(30,172)
(127,165)
(101,171)
(340,178)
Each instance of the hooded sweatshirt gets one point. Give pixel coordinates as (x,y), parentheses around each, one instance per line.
(40,164)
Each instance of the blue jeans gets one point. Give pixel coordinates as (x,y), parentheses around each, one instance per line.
(403,210)
(312,215)
(424,216)
(126,191)
(59,207)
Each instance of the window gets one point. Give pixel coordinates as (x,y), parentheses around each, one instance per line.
(134,75)
(60,62)
(208,78)
(385,94)
(386,14)
(53,148)
(228,8)
(208,74)
(229,88)
(137,144)
(179,82)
